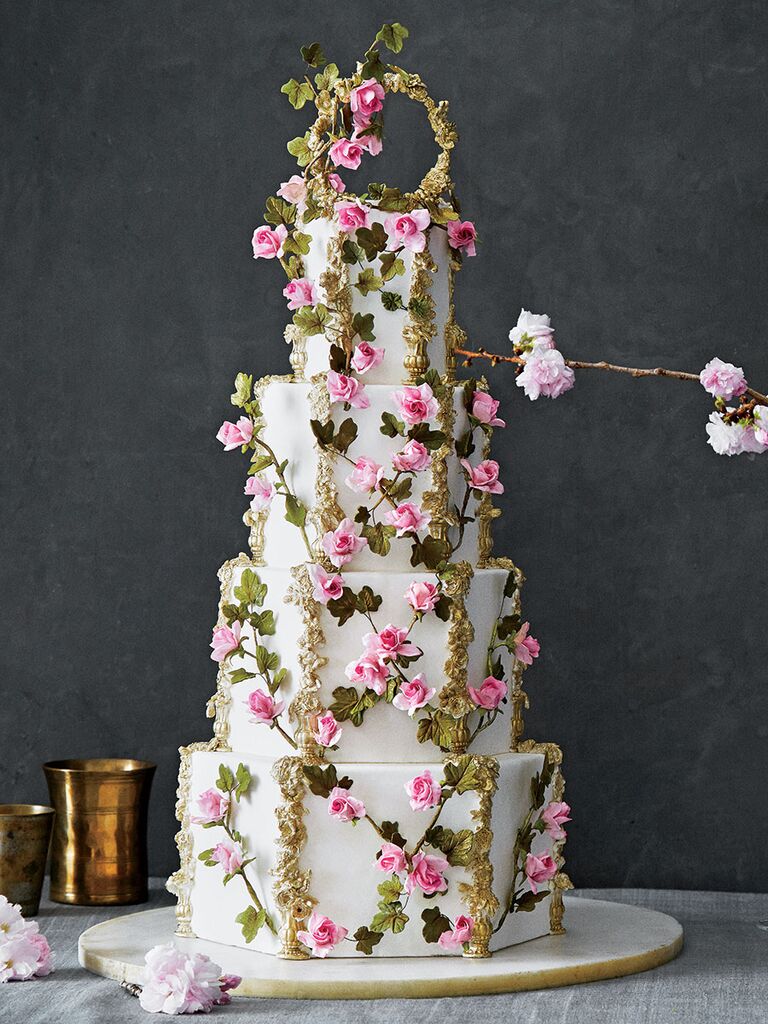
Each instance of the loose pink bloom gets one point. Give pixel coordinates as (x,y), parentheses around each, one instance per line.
(300,292)
(326,730)
(229,855)
(44,964)
(342,544)
(461,933)
(414,695)
(262,492)
(426,874)
(225,640)
(539,869)
(176,982)
(11,920)
(761,425)
(723,380)
(415,404)
(414,458)
(391,642)
(407,230)
(484,409)
(347,389)
(407,518)
(268,243)
(366,357)
(233,435)
(370,141)
(733,438)
(484,476)
(526,647)
(462,235)
(489,694)
(294,191)
(325,587)
(228,982)
(545,373)
(369,670)
(365,476)
(213,805)
(343,806)
(423,791)
(391,859)
(19,955)
(336,183)
(353,215)
(422,596)
(365,100)
(554,817)
(263,707)
(533,327)
(347,153)
(321,934)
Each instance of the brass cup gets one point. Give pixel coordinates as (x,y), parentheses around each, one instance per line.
(25,835)
(99,850)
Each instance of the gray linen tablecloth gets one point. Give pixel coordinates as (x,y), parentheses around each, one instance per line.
(721,977)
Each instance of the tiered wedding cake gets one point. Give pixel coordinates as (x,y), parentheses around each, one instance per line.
(367,791)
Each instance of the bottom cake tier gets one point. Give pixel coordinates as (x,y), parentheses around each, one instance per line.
(291,858)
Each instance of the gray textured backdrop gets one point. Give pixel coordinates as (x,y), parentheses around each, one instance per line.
(614,158)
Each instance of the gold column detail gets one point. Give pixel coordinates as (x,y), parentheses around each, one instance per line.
(479,895)
(218,705)
(335,282)
(453,335)
(298,357)
(420,329)
(291,883)
(257,521)
(307,701)
(454,699)
(326,514)
(437,500)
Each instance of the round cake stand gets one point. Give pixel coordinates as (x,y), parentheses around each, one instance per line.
(603,940)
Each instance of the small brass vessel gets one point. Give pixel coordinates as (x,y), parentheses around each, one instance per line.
(99,850)
(25,835)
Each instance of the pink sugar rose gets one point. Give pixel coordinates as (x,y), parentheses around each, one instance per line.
(422,596)
(263,707)
(462,235)
(176,982)
(370,141)
(391,859)
(415,404)
(300,292)
(533,327)
(212,805)
(484,476)
(414,458)
(225,640)
(391,642)
(539,869)
(459,934)
(353,215)
(268,243)
(489,694)
(365,476)
(325,587)
(365,100)
(723,380)
(423,791)
(326,730)
(262,492)
(406,230)
(294,191)
(407,518)
(370,671)
(347,153)
(545,373)
(347,389)
(414,695)
(342,544)
(526,647)
(321,934)
(229,855)
(233,435)
(426,874)
(336,183)
(343,806)
(554,816)
(484,409)
(366,357)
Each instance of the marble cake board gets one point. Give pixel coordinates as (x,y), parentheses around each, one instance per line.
(603,940)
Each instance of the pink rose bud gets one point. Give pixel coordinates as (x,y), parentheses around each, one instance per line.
(370,141)
(484,409)
(321,934)
(212,805)
(233,435)
(300,292)
(533,328)
(414,695)
(263,707)
(539,869)
(336,183)
(343,806)
(326,730)
(294,191)
(723,380)
(414,458)
(225,640)
(346,153)
(352,215)
(407,518)
(342,544)
(462,235)
(365,476)
(365,100)
(423,791)
(369,671)
(229,855)
(406,230)
(545,373)
(347,389)
(422,596)
(391,859)
(416,404)
(484,476)
(554,816)
(267,243)
(426,874)
(391,642)
(325,587)
(489,694)
(459,934)
(526,647)
(261,490)
(366,357)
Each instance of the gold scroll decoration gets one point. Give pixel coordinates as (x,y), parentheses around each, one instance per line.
(326,513)
(296,338)
(454,699)
(291,883)
(335,282)
(437,500)
(479,895)
(485,513)
(218,705)
(453,336)
(518,698)
(307,704)
(419,330)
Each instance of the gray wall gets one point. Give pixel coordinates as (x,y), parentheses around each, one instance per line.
(614,158)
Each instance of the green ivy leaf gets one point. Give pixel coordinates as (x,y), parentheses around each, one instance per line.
(349,705)
(226,779)
(351,253)
(390,918)
(400,491)
(390,831)
(243,387)
(313,55)
(264,623)
(367,601)
(507,626)
(372,240)
(259,463)
(457,846)
(278,211)
(421,307)
(207,857)
(528,900)
(390,890)
(298,93)
(366,940)
(511,584)
(344,607)
(372,66)
(436,727)
(321,779)
(251,922)
(250,589)
(243,777)
(461,774)
(297,243)
(435,923)
(392,200)
(430,552)
(299,147)
(442,608)
(367,282)
(392,35)
(323,432)
(391,266)
(391,426)
(266,660)
(345,436)
(392,301)
(326,79)
(311,319)
(379,537)
(362,324)
(431,439)
(240,675)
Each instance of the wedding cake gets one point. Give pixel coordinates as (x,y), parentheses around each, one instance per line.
(368,790)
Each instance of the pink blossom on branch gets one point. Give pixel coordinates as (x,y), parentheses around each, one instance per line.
(414,458)
(462,235)
(407,518)
(366,357)
(484,409)
(416,404)
(343,806)
(300,292)
(347,153)
(346,389)
(459,934)
(554,816)
(423,791)
(391,642)
(321,934)
(352,215)
(489,694)
(407,230)
(268,243)
(369,671)
(325,587)
(212,805)
(225,640)
(365,476)
(391,859)
(526,648)
(545,373)
(484,476)
(539,870)
(723,380)
(535,328)
(263,707)
(413,695)
(234,435)
(262,492)
(427,874)
(422,596)
(342,544)
(326,730)
(733,438)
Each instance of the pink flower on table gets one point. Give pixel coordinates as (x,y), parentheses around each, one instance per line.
(326,730)
(366,357)
(391,859)
(370,141)
(346,389)
(229,855)
(407,518)
(414,458)
(365,100)
(352,215)
(422,596)
(427,874)
(533,327)
(462,235)
(263,707)
(459,934)
(365,476)
(423,791)
(294,191)
(11,919)
(212,805)
(415,404)
(343,806)
(539,869)
(554,816)
(347,153)
(44,965)
(370,671)
(407,230)
(723,380)
(761,425)
(227,983)
(262,492)
(391,642)
(342,544)
(545,373)
(526,647)
(336,183)
(18,957)
(300,292)
(225,640)
(484,409)
(233,435)
(484,476)
(413,695)
(489,694)
(325,587)
(321,934)
(268,243)
(176,982)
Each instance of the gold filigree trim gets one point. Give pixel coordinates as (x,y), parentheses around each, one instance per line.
(479,895)
(326,514)
(485,511)
(518,698)
(419,330)
(437,500)
(454,699)
(291,882)
(218,705)
(453,336)
(307,701)
(298,357)
(335,281)
(257,521)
